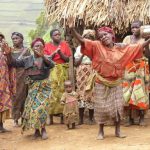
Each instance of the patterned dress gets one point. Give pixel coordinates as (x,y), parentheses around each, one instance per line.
(36,107)
(136,83)
(70,112)
(6,90)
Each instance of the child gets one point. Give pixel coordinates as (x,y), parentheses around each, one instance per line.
(70,101)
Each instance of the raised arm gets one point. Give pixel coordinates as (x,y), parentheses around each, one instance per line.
(77,36)
(74,32)
(10,60)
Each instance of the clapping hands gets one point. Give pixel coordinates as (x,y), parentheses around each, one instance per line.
(5,48)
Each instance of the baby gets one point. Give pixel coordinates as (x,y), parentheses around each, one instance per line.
(70,101)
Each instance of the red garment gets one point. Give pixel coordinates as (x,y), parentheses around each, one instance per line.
(50,48)
(110,62)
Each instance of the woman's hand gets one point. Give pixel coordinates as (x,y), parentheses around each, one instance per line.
(6,48)
(71,22)
(39,53)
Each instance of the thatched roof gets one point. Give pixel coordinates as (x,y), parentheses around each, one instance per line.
(117,13)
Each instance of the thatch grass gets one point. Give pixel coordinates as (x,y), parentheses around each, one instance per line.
(116,13)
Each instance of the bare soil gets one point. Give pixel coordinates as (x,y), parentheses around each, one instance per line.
(82,138)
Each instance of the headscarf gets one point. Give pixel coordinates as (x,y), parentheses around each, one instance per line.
(89,32)
(17,34)
(37,40)
(109,30)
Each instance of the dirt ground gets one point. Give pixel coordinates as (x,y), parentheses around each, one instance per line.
(82,138)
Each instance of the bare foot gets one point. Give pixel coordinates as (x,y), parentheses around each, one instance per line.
(68,127)
(44,134)
(73,126)
(100,137)
(129,123)
(16,124)
(142,123)
(36,134)
(91,122)
(3,130)
(119,135)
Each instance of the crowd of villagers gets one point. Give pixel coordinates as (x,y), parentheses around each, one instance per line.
(112,80)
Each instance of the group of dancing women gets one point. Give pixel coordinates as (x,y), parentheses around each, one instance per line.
(111,80)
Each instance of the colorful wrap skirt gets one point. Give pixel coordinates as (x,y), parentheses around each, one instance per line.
(136,86)
(37,105)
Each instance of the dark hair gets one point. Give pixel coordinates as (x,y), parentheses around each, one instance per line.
(138,21)
(2,35)
(52,31)
(36,40)
(17,34)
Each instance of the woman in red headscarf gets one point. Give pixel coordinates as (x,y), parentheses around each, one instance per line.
(108,60)
(37,68)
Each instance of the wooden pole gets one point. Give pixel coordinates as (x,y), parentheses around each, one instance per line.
(71,71)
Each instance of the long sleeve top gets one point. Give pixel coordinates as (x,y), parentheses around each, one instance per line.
(35,68)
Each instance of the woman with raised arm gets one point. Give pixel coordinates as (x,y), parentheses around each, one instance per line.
(37,68)
(108,60)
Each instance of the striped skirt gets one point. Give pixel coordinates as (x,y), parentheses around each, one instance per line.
(110,106)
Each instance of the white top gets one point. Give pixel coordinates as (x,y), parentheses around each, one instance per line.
(78,54)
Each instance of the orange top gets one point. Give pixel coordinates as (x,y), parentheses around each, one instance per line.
(110,62)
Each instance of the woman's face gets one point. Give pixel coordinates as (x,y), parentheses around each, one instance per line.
(56,36)
(38,47)
(135,29)
(17,40)
(105,37)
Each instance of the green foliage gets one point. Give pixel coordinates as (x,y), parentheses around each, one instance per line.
(41,29)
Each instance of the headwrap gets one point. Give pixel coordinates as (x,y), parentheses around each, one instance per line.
(2,35)
(89,32)
(107,29)
(37,40)
(17,34)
